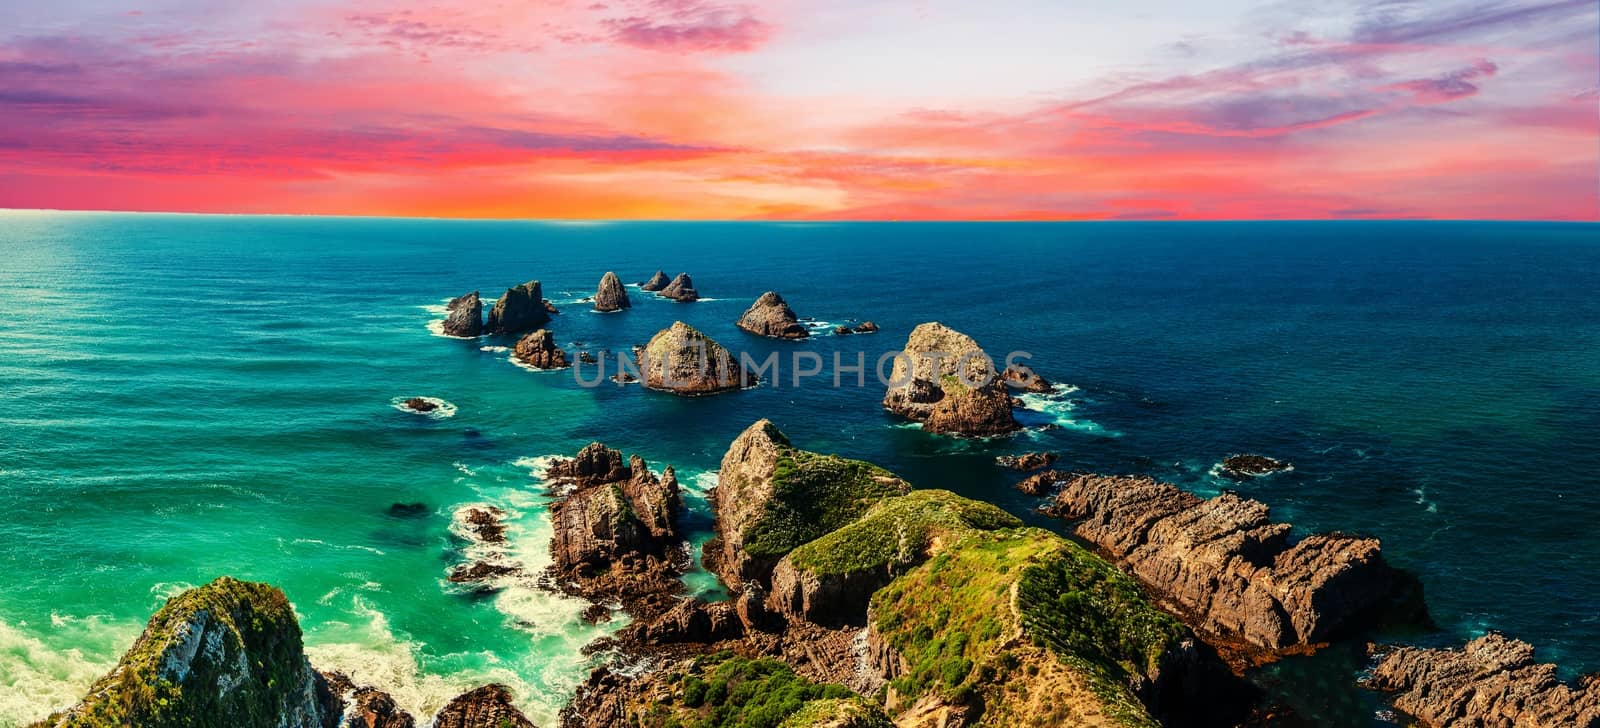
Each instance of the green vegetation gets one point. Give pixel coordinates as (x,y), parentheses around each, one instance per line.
(899,531)
(247,639)
(813,494)
(953,621)
(727,691)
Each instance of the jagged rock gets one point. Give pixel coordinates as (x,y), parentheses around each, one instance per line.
(1043,483)
(1225,566)
(481,572)
(539,350)
(464,316)
(1247,467)
(944,380)
(486,707)
(611,296)
(683,361)
(550,308)
(484,523)
(657,282)
(1022,376)
(771,316)
(587,358)
(690,620)
(1492,682)
(595,464)
(418,404)
(227,653)
(1027,461)
(365,706)
(616,533)
(681,289)
(865,327)
(771,497)
(520,308)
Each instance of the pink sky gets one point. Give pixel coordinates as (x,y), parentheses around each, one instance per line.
(805,110)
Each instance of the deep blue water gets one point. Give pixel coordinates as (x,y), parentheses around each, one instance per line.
(188,396)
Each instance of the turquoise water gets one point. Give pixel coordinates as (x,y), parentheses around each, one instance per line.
(190,396)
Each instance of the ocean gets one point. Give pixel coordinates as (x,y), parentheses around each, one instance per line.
(191,396)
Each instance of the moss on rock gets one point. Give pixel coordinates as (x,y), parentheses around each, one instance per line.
(813,494)
(899,530)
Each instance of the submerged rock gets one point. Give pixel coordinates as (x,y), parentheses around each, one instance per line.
(539,350)
(464,316)
(944,380)
(227,653)
(771,316)
(1022,376)
(681,289)
(683,361)
(520,308)
(408,510)
(1027,461)
(1247,467)
(1492,682)
(657,282)
(1223,563)
(611,296)
(487,707)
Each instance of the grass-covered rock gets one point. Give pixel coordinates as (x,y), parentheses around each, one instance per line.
(727,691)
(224,655)
(1021,627)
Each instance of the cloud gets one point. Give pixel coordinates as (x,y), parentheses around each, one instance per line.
(691,26)
(1454,85)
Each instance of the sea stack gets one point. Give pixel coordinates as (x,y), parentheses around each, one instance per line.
(611,296)
(464,316)
(681,360)
(616,533)
(539,350)
(944,380)
(771,316)
(520,309)
(681,289)
(656,282)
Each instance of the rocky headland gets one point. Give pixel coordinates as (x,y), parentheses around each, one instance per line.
(681,360)
(519,309)
(539,351)
(681,289)
(944,380)
(1228,569)
(771,316)
(611,296)
(464,316)
(230,654)
(1491,682)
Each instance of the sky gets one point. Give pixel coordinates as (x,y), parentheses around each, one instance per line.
(805,110)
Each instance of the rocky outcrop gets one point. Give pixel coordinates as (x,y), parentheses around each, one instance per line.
(611,296)
(1226,567)
(420,405)
(1044,483)
(656,283)
(464,316)
(772,497)
(1027,461)
(1248,467)
(865,327)
(550,308)
(539,350)
(691,620)
(487,707)
(944,380)
(1492,682)
(681,289)
(227,653)
(683,361)
(616,534)
(488,557)
(520,308)
(365,706)
(771,316)
(1022,376)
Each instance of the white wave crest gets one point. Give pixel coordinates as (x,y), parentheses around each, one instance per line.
(42,671)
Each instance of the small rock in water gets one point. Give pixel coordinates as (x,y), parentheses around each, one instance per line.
(1026,461)
(418,404)
(1246,467)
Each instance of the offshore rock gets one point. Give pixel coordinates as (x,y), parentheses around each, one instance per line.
(520,308)
(539,350)
(367,707)
(681,289)
(611,296)
(771,316)
(657,282)
(944,380)
(1247,467)
(1226,567)
(1026,462)
(227,653)
(486,707)
(1492,682)
(464,316)
(681,360)
(1022,376)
